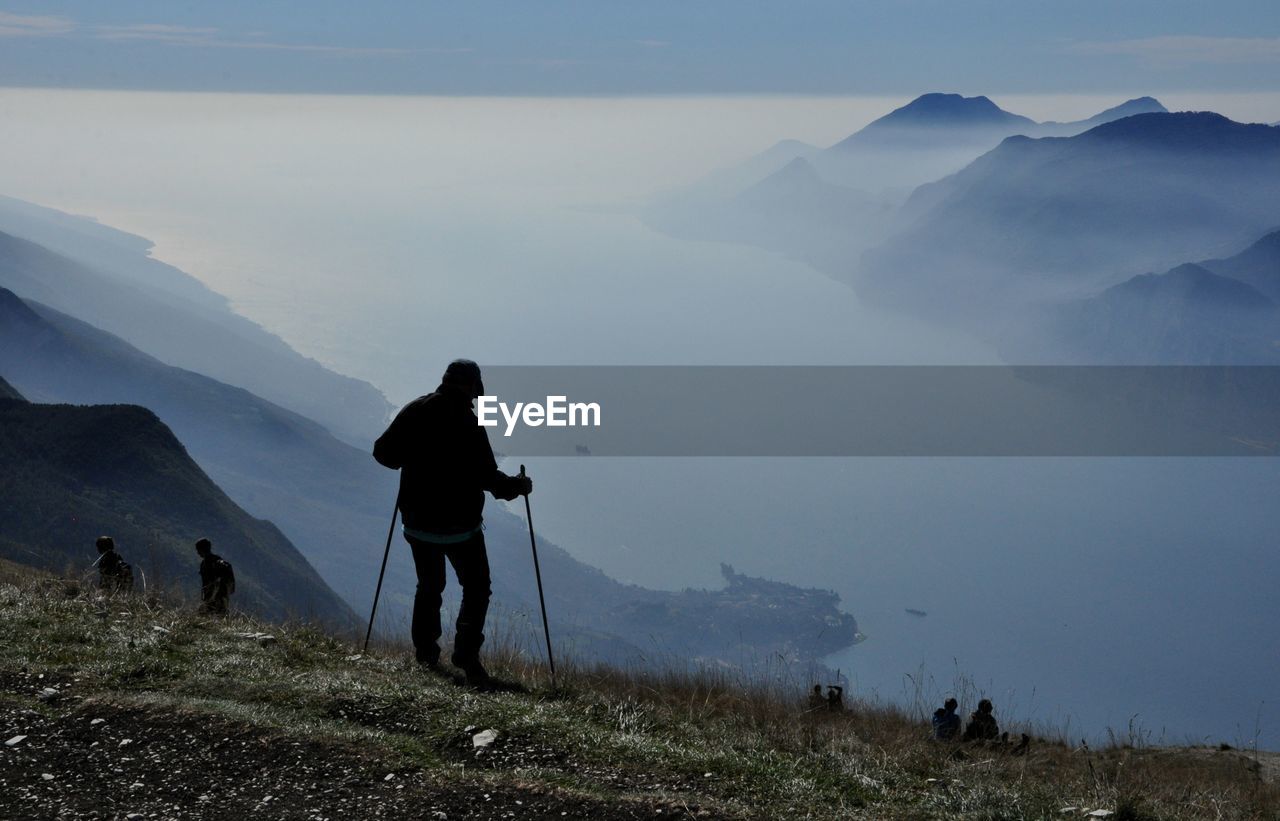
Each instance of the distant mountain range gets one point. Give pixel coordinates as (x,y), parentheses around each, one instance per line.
(1038,218)
(953,128)
(1034,244)
(107,277)
(70,474)
(817,204)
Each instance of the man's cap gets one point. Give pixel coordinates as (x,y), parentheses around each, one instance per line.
(203,544)
(105,543)
(463,372)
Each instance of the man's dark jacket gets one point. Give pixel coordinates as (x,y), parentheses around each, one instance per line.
(216,577)
(445,461)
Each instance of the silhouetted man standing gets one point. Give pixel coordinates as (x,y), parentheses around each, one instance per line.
(217,579)
(446,464)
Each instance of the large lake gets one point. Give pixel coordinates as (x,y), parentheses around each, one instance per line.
(385,236)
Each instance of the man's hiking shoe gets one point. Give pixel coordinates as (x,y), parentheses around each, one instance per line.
(477,676)
(429,661)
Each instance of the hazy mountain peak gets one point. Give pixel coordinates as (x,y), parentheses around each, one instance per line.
(788,147)
(937,109)
(1195,283)
(1129,108)
(15,311)
(935,120)
(1198,131)
(799,169)
(1269,243)
(1258,265)
(7,391)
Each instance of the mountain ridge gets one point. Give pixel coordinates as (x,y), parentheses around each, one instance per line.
(1147,192)
(1187,315)
(935,110)
(196,332)
(72,473)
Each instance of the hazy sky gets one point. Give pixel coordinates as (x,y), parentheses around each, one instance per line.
(660,46)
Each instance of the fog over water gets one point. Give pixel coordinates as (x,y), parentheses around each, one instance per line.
(385,236)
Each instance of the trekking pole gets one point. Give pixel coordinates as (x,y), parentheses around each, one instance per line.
(537,572)
(395,511)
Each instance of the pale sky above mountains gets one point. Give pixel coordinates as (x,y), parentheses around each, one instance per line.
(657,47)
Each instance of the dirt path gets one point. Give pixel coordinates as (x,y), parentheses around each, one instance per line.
(108,761)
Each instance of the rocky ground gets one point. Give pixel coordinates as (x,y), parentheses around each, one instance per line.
(100,760)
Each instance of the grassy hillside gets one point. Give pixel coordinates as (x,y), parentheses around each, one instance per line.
(69,474)
(129,707)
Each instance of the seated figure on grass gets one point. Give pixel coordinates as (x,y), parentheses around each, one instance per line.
(982,724)
(946,723)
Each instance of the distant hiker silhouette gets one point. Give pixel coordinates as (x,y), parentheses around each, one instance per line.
(982,724)
(446,464)
(817,701)
(835,698)
(946,724)
(217,579)
(114,573)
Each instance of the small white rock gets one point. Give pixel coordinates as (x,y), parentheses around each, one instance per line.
(47,693)
(484,738)
(390,777)
(137,785)
(94,722)
(15,741)
(47,776)
(126,742)
(1100,813)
